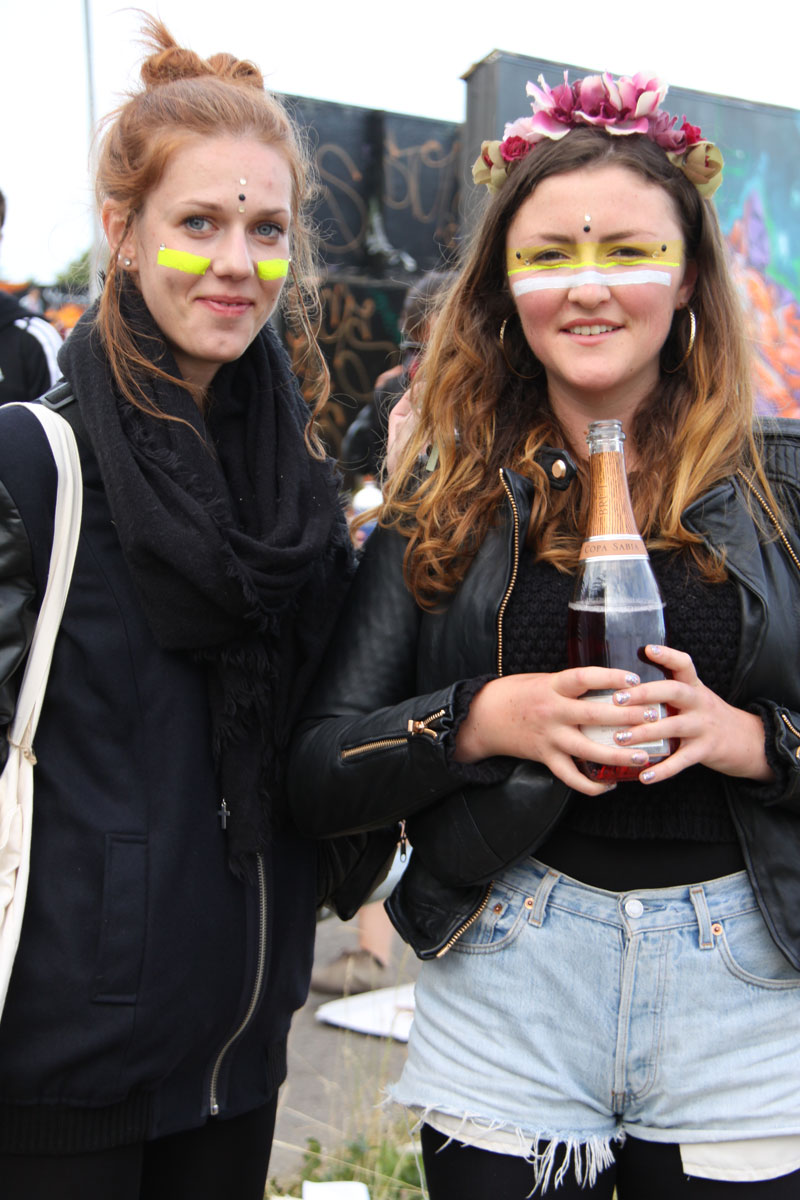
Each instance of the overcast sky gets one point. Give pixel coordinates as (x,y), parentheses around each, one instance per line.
(404,58)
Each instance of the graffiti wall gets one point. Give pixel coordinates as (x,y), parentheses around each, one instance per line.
(758,203)
(387,214)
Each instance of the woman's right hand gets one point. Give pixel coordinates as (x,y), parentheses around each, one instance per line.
(538,717)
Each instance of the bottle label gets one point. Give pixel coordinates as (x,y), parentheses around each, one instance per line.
(612,545)
(604,734)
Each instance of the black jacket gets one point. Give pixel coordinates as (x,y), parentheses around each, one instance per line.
(28,348)
(373,744)
(151,987)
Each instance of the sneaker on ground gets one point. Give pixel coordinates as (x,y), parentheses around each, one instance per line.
(352,972)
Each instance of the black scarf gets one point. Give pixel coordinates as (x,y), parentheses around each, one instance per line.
(235,538)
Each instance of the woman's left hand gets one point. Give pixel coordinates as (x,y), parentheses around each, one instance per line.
(710,731)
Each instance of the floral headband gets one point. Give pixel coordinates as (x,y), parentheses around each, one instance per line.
(620,107)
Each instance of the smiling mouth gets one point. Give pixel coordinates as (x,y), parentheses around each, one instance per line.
(587,330)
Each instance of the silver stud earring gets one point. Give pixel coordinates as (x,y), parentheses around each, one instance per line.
(126,262)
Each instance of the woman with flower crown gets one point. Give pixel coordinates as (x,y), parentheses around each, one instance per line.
(610,994)
(171,907)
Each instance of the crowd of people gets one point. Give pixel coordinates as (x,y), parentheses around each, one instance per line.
(245,715)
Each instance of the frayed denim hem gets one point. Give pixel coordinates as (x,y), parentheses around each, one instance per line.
(587,1156)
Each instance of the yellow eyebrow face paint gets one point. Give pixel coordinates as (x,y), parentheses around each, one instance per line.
(273,268)
(613,264)
(181,260)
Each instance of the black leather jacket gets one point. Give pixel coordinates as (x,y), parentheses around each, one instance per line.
(366,754)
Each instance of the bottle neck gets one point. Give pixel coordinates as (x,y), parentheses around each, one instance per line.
(610,508)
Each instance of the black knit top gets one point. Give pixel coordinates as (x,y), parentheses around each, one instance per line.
(678,831)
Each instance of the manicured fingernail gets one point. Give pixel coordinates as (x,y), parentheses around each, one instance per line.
(654,650)
(610,787)
(646,776)
(621,697)
(632,679)
(650,714)
(639,758)
(622,736)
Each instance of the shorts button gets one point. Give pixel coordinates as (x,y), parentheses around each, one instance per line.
(634,907)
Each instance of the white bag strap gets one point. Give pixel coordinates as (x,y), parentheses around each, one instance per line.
(66,531)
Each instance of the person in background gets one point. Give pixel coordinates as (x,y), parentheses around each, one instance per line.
(364,444)
(610,994)
(364,450)
(171,907)
(29,346)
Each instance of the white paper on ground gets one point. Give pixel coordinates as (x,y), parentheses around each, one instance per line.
(338,1190)
(386,1012)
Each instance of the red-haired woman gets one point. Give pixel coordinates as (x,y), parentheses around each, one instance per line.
(171,909)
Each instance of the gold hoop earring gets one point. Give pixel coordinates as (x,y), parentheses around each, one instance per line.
(690,347)
(504,352)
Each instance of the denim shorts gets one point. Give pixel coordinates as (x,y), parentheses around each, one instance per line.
(568,1015)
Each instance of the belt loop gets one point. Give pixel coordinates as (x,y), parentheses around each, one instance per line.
(703,917)
(546,885)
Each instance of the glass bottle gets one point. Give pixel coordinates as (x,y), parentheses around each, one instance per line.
(616,607)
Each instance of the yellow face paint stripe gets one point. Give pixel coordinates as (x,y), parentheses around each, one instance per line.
(602,255)
(273,268)
(596,266)
(181,260)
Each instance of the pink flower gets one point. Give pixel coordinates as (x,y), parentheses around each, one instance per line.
(514,148)
(618,106)
(693,134)
(663,132)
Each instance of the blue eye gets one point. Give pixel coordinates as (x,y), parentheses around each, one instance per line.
(269,229)
(197,224)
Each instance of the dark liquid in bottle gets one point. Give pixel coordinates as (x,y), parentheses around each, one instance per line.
(616,637)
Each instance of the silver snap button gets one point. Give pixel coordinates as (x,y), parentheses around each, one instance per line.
(634,907)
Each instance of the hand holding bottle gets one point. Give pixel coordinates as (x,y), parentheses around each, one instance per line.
(708,730)
(541,717)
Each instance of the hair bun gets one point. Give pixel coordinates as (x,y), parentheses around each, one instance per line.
(170,62)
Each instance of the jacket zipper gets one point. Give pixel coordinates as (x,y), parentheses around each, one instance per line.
(791,727)
(414,729)
(213,1100)
(500,614)
(463,928)
(514,572)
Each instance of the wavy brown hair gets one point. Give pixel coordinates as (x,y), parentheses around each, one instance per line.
(183,96)
(695,430)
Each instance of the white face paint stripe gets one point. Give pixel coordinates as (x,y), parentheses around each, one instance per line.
(543,283)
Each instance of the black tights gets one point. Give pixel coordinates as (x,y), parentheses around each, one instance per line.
(219,1161)
(643,1171)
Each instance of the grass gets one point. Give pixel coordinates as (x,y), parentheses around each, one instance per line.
(387,1166)
(332,1124)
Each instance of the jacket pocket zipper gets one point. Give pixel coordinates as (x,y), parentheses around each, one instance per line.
(463,929)
(796,732)
(255,996)
(414,729)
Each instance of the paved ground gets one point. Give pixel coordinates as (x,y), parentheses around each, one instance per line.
(336,1076)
